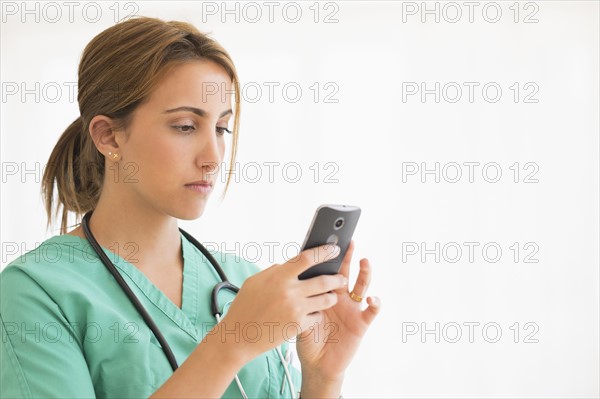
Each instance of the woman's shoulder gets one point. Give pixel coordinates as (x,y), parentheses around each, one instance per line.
(55,262)
(58,251)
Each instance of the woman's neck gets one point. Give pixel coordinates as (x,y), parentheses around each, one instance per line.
(140,234)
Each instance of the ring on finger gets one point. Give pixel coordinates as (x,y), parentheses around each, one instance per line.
(355,297)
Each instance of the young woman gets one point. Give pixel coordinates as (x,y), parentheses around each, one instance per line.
(143,153)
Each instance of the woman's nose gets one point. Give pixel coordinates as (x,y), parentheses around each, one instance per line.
(210,155)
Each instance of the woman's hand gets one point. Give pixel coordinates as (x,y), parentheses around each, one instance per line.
(271,306)
(274,305)
(327,348)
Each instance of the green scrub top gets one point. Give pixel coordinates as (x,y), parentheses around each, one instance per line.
(69,330)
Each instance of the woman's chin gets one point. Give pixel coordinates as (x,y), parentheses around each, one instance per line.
(191,213)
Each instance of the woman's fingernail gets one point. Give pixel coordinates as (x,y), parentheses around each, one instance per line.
(345,280)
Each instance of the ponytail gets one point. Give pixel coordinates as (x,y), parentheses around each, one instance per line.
(78,170)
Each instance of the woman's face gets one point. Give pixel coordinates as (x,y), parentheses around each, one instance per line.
(177,137)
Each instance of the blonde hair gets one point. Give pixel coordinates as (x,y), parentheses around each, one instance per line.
(117,72)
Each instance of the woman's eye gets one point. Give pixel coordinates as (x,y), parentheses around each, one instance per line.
(223,130)
(185,128)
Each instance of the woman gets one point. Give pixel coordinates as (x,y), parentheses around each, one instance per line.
(145,152)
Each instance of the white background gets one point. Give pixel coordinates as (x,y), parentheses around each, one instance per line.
(369,52)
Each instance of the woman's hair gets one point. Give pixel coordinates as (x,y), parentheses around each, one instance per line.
(118,70)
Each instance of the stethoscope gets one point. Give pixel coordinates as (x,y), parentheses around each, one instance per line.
(225,284)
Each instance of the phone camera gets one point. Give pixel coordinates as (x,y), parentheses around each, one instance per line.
(339,222)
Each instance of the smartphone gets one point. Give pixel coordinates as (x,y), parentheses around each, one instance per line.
(331,224)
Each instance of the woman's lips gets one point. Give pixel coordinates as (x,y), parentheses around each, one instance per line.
(200,187)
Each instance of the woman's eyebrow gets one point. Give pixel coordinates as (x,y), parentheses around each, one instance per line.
(197,111)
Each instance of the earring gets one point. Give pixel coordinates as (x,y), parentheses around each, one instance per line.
(114,156)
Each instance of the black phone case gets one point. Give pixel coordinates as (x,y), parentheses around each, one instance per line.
(323,231)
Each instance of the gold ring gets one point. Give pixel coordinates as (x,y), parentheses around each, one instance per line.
(355,297)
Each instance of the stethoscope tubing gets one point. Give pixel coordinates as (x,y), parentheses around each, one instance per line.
(225,284)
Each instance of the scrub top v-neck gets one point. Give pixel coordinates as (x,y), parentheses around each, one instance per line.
(68,329)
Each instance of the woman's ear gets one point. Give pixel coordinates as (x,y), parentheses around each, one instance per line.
(103,132)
